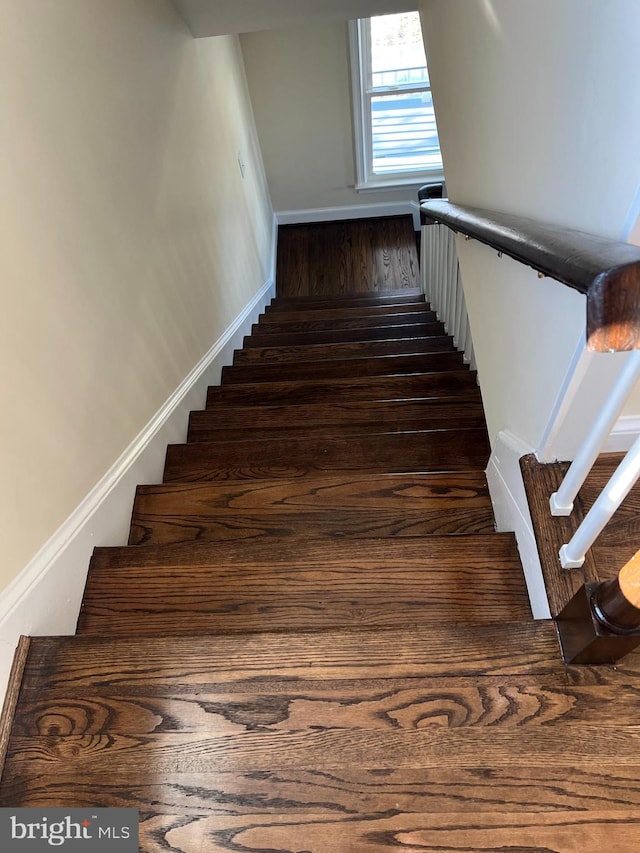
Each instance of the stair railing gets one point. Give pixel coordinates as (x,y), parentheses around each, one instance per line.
(602,622)
(442,285)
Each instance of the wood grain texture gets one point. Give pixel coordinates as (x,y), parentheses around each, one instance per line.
(420,492)
(12,695)
(463,731)
(611,550)
(417,310)
(461,382)
(371,705)
(350,791)
(429,450)
(389,365)
(373,333)
(387,297)
(407,505)
(280,325)
(323,584)
(351,349)
(256,662)
(305,650)
(158,524)
(327,750)
(361,256)
(313,304)
(339,420)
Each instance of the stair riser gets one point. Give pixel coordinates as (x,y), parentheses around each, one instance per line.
(329,336)
(332,325)
(351,368)
(154,525)
(331,352)
(202,432)
(292,303)
(421,386)
(445,450)
(366,416)
(414,308)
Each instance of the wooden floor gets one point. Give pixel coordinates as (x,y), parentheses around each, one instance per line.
(613,548)
(315,640)
(334,258)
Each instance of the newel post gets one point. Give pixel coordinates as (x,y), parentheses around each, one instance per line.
(601,623)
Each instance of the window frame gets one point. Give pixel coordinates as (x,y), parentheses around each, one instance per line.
(366,179)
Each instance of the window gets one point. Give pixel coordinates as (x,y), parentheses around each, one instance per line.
(395,126)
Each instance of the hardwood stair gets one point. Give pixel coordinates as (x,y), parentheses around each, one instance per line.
(315,639)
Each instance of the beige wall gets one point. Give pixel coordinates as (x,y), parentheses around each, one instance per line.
(538,108)
(219,17)
(130,239)
(300,86)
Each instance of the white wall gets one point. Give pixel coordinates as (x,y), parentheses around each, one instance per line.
(130,240)
(300,87)
(538,108)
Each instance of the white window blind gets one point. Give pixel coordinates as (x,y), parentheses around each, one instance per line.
(395,126)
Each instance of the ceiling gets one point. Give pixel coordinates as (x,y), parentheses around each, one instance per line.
(220,17)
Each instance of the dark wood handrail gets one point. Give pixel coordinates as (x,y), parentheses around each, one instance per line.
(606,271)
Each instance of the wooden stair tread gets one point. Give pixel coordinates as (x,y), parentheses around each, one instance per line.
(351,349)
(415,722)
(359,506)
(337,412)
(255,662)
(354,429)
(317,324)
(356,491)
(295,584)
(243,423)
(389,298)
(386,365)
(328,336)
(448,550)
(153,522)
(161,526)
(429,450)
(521,788)
(345,313)
(309,305)
(461,382)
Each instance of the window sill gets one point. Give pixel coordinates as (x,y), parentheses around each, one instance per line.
(399,184)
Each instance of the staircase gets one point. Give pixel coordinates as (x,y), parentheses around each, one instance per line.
(315,640)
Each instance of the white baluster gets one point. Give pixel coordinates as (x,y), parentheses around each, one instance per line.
(424,261)
(572,555)
(561,502)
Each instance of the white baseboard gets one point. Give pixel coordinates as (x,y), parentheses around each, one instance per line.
(355,211)
(512,513)
(624,433)
(45,598)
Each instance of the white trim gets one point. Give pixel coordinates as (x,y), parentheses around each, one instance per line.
(571,383)
(359,124)
(415,212)
(45,598)
(356,211)
(362,92)
(274,251)
(623,435)
(512,513)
